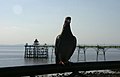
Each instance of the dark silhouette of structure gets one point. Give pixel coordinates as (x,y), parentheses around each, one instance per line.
(35,50)
(36,42)
(65,43)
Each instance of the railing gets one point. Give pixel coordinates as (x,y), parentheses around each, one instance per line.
(54,68)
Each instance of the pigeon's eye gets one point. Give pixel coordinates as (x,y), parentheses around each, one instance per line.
(68,20)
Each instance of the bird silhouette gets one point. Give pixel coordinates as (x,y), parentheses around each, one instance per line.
(65,43)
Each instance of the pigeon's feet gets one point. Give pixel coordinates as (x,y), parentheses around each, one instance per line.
(68,63)
(61,62)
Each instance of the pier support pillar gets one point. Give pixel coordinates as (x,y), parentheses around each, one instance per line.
(52,54)
(100,49)
(81,50)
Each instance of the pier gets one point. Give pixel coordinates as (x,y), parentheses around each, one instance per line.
(41,51)
(32,51)
(36,51)
(97,48)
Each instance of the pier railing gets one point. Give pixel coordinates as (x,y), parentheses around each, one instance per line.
(34,70)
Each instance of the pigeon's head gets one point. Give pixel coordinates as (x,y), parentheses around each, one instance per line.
(68,20)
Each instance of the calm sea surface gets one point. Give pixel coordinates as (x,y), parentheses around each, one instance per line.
(14,56)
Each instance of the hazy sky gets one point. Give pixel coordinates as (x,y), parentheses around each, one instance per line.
(93,21)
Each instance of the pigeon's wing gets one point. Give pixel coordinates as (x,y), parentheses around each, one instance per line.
(57,52)
(74,42)
(57,42)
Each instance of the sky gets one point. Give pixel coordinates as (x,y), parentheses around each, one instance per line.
(93,21)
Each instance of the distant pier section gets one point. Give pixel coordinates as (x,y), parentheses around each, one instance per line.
(35,50)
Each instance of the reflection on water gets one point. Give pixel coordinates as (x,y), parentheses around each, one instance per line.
(36,61)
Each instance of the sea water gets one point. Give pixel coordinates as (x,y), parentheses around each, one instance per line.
(14,56)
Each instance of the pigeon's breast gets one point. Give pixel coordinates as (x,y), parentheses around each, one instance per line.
(67,44)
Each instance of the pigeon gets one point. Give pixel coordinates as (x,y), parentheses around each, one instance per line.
(65,43)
